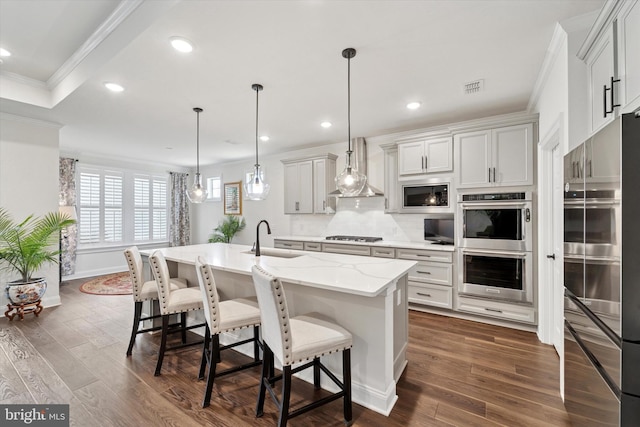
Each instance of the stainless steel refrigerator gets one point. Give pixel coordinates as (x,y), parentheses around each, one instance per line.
(602,277)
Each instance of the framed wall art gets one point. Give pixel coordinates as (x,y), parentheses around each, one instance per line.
(233,198)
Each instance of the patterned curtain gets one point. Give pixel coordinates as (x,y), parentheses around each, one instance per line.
(69,237)
(179,224)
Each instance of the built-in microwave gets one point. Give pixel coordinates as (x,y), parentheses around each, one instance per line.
(421,197)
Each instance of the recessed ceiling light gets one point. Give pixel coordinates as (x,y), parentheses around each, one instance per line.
(325,124)
(4,52)
(113,87)
(181,44)
(264,138)
(413,105)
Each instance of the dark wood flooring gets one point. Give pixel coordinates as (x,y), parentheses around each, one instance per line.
(460,373)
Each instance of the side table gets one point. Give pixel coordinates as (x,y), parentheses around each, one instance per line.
(22,309)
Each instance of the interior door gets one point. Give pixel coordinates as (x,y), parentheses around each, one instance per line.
(557,212)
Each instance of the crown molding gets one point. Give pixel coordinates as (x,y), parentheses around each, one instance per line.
(555,45)
(20,79)
(122,11)
(30,120)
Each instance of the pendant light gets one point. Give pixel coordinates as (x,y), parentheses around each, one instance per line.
(256,188)
(350,182)
(197,193)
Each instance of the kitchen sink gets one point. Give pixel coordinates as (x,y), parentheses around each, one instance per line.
(278,254)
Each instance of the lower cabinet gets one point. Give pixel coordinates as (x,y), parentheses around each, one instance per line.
(288,244)
(501,310)
(427,294)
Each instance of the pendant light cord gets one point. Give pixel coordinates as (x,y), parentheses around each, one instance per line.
(197,142)
(257,91)
(349,105)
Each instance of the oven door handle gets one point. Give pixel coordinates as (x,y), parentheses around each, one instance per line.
(519,255)
(599,203)
(493,205)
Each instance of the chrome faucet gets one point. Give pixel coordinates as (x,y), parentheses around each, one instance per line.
(258,235)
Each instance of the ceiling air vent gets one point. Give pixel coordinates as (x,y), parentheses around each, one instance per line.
(475,86)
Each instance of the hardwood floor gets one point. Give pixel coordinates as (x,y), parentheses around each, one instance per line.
(460,373)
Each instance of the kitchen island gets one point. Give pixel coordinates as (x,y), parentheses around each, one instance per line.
(365,295)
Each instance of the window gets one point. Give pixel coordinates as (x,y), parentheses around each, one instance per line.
(214,189)
(121,207)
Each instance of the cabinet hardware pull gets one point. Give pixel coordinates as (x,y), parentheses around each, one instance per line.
(527,215)
(423,272)
(297,206)
(573,169)
(604,101)
(324,205)
(552,256)
(426,163)
(493,309)
(494,174)
(386,253)
(428,256)
(422,162)
(590,170)
(489,174)
(611,95)
(423,295)
(386,203)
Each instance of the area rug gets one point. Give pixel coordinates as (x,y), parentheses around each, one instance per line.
(113,284)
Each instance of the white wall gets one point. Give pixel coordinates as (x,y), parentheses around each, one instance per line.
(29,170)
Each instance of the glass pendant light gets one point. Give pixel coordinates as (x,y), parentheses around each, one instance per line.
(197,193)
(257,188)
(350,182)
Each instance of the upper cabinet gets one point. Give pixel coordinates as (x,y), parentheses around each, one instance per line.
(307,183)
(497,157)
(613,63)
(391,188)
(417,158)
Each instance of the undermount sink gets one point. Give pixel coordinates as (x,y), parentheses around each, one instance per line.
(278,254)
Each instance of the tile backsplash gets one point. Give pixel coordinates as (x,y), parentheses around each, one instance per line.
(361,217)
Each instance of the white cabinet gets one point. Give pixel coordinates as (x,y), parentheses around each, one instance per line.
(391,188)
(307,183)
(500,310)
(495,157)
(602,87)
(421,157)
(629,56)
(430,281)
(613,63)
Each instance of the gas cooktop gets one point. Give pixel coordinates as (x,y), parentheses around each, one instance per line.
(355,238)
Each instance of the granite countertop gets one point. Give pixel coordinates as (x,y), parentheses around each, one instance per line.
(359,275)
(380,243)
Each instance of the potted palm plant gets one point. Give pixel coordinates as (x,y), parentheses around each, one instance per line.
(27,246)
(224,232)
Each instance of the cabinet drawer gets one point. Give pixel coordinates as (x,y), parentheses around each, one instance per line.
(496,309)
(424,255)
(383,252)
(346,249)
(438,296)
(432,272)
(313,246)
(288,244)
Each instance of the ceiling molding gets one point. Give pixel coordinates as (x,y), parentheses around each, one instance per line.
(558,40)
(122,11)
(605,18)
(20,79)
(30,120)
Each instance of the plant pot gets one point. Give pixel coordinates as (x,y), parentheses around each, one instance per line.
(20,292)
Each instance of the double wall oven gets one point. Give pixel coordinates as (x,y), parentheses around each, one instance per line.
(496,246)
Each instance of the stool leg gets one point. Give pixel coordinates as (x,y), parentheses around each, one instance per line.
(286,395)
(264,378)
(256,347)
(316,373)
(163,343)
(346,379)
(183,325)
(137,313)
(215,349)
(206,351)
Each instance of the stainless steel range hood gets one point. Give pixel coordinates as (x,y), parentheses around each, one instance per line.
(359,161)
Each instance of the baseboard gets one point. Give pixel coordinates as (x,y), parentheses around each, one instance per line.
(51,301)
(92,273)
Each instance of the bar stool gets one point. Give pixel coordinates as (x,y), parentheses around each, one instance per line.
(145,291)
(179,301)
(224,316)
(293,340)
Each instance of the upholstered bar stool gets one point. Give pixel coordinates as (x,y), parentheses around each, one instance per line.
(178,301)
(145,291)
(224,316)
(293,340)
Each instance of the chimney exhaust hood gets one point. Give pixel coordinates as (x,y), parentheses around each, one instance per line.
(359,161)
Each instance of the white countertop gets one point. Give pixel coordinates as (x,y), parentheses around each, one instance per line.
(380,243)
(359,275)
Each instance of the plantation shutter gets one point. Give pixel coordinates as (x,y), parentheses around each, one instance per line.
(113,186)
(141,193)
(89,208)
